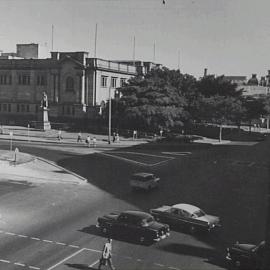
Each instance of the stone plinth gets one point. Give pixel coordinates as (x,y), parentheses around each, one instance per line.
(43,120)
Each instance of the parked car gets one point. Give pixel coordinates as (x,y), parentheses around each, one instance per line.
(136,224)
(187,216)
(246,256)
(145,181)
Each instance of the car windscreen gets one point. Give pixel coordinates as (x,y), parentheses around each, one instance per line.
(198,213)
(141,178)
(145,222)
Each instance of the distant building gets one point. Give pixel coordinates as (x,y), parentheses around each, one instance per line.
(77,86)
(24,51)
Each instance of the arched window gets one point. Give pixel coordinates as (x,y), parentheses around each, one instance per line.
(69,84)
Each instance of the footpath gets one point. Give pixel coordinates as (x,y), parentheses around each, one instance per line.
(17,166)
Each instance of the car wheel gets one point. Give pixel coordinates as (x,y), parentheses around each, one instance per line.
(192,229)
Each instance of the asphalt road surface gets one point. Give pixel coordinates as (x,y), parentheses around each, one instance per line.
(52,225)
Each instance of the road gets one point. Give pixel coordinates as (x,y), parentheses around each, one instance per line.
(51,226)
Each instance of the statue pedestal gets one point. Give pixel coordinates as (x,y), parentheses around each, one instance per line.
(43,121)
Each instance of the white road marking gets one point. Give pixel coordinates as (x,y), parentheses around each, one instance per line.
(94,250)
(67,258)
(21,235)
(4,261)
(60,243)
(177,153)
(174,268)
(94,263)
(47,241)
(19,264)
(138,162)
(35,238)
(73,246)
(33,267)
(9,233)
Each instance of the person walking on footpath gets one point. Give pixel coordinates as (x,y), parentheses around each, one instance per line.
(59,136)
(88,140)
(94,142)
(79,138)
(106,257)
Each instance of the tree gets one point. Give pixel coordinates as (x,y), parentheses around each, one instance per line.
(218,102)
(154,101)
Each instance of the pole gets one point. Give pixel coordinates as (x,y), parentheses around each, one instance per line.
(28,132)
(52,36)
(154,56)
(110,116)
(178,60)
(95,52)
(11,134)
(133,54)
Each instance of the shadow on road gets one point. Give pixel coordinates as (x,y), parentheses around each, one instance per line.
(92,229)
(80,266)
(212,256)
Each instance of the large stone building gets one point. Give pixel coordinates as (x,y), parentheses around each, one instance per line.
(77,86)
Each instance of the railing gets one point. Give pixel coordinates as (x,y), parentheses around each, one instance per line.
(99,63)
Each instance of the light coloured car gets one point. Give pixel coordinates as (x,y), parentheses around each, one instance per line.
(145,181)
(186,215)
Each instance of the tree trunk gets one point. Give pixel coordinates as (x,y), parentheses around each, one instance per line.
(220,133)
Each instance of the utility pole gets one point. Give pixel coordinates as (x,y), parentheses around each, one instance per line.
(110,115)
(154,53)
(52,36)
(178,64)
(95,52)
(133,54)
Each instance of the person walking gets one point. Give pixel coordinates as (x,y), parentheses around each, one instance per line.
(79,138)
(106,257)
(88,140)
(59,135)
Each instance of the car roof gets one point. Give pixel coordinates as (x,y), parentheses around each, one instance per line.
(138,214)
(142,174)
(187,207)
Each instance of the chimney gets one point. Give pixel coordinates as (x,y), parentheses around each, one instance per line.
(205,72)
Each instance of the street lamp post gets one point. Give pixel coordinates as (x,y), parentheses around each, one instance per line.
(11,135)
(110,116)
(28,126)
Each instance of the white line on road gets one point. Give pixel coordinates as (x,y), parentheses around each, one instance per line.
(67,258)
(158,264)
(94,263)
(21,235)
(47,241)
(94,250)
(19,264)
(60,243)
(73,246)
(35,238)
(33,267)
(4,261)
(10,233)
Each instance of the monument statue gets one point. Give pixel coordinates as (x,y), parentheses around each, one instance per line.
(44,101)
(43,122)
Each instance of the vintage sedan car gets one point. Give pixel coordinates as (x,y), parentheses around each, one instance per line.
(138,225)
(186,216)
(145,181)
(246,256)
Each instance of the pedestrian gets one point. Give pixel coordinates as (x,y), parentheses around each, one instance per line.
(117,138)
(94,142)
(161,132)
(134,134)
(88,140)
(59,135)
(106,257)
(114,137)
(79,138)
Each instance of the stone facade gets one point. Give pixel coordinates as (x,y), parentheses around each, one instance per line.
(76,86)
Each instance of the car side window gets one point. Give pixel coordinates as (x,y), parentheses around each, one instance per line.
(185,214)
(174,211)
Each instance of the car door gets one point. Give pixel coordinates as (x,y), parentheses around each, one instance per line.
(121,226)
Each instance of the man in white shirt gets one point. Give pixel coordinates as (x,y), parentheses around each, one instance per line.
(106,255)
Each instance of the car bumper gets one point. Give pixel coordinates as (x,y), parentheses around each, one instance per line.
(161,237)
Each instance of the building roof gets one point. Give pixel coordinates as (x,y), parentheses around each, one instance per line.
(236,78)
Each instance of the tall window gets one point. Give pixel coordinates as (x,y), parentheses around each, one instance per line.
(9,107)
(113,82)
(122,82)
(69,84)
(24,79)
(5,79)
(41,80)
(103,81)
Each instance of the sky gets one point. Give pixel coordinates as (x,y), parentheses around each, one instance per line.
(230,37)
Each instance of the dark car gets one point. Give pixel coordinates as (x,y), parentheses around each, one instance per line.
(186,216)
(133,224)
(246,256)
